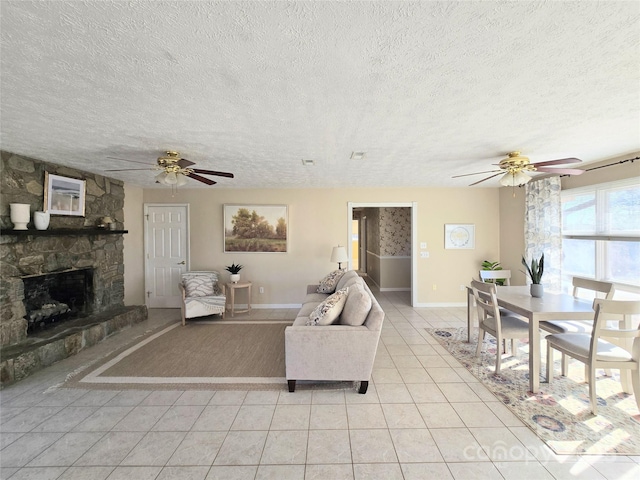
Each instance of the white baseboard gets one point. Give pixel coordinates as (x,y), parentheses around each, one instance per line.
(405,289)
(440,305)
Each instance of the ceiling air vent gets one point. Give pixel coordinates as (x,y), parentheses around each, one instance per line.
(357,155)
(308,163)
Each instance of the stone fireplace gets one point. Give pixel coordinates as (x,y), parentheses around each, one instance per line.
(70,274)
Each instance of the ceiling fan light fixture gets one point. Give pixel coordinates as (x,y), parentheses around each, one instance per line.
(161,178)
(514,179)
(182,180)
(171,178)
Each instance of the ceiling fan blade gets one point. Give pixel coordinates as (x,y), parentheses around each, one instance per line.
(201,179)
(564,171)
(132,161)
(211,172)
(128,169)
(560,161)
(184,163)
(477,173)
(485,179)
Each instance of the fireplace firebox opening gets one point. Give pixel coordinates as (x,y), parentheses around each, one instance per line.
(57,297)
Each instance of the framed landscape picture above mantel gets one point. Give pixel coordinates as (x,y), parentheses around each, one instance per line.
(64,195)
(256,228)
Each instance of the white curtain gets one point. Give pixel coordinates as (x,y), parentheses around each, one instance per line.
(543,228)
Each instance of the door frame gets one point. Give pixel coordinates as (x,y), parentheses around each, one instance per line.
(414,236)
(146,239)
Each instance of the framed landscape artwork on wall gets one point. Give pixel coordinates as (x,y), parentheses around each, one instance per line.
(63,195)
(256,228)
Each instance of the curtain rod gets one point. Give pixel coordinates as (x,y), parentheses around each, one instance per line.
(608,165)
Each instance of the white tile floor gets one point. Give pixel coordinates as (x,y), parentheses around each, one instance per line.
(424,417)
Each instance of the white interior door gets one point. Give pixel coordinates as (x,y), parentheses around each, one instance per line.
(166,253)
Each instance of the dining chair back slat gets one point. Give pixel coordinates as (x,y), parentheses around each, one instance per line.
(491,276)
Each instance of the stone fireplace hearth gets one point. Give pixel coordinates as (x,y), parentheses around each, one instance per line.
(61,289)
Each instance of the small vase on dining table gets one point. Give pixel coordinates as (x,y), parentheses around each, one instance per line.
(537,290)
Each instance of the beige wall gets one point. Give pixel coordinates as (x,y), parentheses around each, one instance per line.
(133,246)
(318,220)
(512,209)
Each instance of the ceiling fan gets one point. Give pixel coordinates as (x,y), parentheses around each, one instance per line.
(174,170)
(513,169)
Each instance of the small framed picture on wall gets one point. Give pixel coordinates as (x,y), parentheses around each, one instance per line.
(460,236)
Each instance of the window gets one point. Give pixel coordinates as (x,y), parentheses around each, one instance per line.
(601,234)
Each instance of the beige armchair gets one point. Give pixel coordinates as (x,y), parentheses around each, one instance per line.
(201,295)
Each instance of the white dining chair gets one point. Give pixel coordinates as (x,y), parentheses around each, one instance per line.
(595,352)
(490,276)
(491,320)
(582,288)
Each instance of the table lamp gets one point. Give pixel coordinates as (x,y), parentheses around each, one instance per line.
(339,254)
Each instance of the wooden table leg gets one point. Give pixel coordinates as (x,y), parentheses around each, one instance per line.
(233,301)
(534,355)
(469,308)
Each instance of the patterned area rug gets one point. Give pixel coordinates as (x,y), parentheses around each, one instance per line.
(559,414)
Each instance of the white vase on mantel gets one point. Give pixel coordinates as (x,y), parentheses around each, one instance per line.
(20,215)
(41,220)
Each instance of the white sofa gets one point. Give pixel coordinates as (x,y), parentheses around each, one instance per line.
(335,352)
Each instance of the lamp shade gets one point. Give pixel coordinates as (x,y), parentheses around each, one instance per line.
(339,254)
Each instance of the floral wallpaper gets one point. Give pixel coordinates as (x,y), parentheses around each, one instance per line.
(395,232)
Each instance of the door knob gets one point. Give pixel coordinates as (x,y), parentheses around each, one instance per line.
(182,263)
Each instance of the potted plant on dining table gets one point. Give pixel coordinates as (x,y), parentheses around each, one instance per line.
(535,272)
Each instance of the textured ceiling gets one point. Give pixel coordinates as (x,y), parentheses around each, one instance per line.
(427,89)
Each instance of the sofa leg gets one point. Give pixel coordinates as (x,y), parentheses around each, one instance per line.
(292,385)
(363,386)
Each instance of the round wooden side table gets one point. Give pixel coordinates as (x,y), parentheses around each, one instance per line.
(232,287)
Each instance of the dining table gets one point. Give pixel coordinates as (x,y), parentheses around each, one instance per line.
(551,306)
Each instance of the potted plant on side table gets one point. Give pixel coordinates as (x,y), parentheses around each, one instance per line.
(535,272)
(234,270)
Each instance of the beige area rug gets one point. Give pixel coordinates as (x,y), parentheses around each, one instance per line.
(559,413)
(219,354)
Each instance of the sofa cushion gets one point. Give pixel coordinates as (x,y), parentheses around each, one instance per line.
(352,281)
(307,308)
(198,286)
(329,310)
(328,283)
(357,306)
(347,277)
(315,298)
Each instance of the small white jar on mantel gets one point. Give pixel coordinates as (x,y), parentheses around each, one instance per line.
(41,220)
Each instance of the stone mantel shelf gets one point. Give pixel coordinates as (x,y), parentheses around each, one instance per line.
(62,232)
